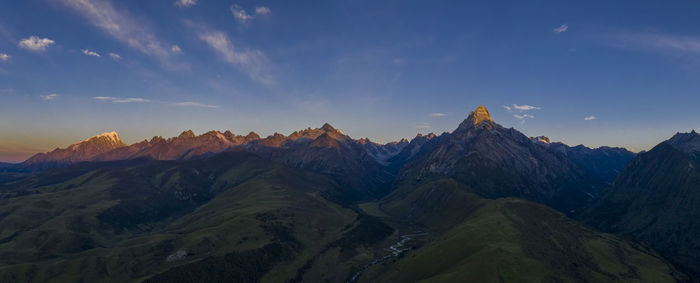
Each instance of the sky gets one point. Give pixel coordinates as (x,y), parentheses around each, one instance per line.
(616,73)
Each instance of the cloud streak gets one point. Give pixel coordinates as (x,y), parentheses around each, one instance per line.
(438,114)
(120,100)
(252,62)
(49,96)
(656,42)
(423,126)
(185,3)
(561,29)
(589,118)
(121,26)
(91,53)
(243,17)
(525,107)
(115,56)
(4,57)
(523,116)
(194,104)
(35,43)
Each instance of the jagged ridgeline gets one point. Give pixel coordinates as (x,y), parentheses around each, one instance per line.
(491,204)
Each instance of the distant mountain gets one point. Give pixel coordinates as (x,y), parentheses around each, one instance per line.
(419,145)
(185,146)
(85,150)
(383,152)
(329,151)
(602,163)
(656,199)
(498,162)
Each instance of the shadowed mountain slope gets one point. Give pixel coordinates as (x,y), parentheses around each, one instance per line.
(656,199)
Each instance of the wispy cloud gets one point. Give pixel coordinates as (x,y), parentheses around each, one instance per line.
(262,10)
(656,42)
(561,29)
(34,43)
(252,62)
(240,14)
(423,126)
(194,104)
(589,118)
(49,96)
(523,116)
(175,49)
(4,57)
(91,53)
(115,56)
(122,26)
(185,3)
(519,111)
(243,17)
(438,114)
(120,100)
(525,107)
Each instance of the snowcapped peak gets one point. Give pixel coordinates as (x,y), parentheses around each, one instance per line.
(112,136)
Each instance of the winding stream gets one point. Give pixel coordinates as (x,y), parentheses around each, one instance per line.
(396,249)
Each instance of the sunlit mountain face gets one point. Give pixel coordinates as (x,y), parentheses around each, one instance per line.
(349,141)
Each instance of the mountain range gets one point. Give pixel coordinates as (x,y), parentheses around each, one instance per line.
(487,202)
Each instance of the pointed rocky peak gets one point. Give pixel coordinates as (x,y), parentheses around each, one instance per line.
(157,139)
(189,134)
(480,116)
(252,136)
(403,140)
(328,128)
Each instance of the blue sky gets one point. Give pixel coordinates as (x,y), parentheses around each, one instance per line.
(70,69)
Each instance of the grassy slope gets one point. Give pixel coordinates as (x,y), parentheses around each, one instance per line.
(509,240)
(55,235)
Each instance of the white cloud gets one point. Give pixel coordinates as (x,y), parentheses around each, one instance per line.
(115,56)
(252,62)
(589,118)
(438,114)
(175,49)
(120,100)
(508,108)
(4,57)
(656,42)
(122,26)
(34,43)
(523,116)
(91,53)
(423,126)
(48,96)
(240,14)
(561,28)
(185,3)
(194,104)
(525,107)
(262,10)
